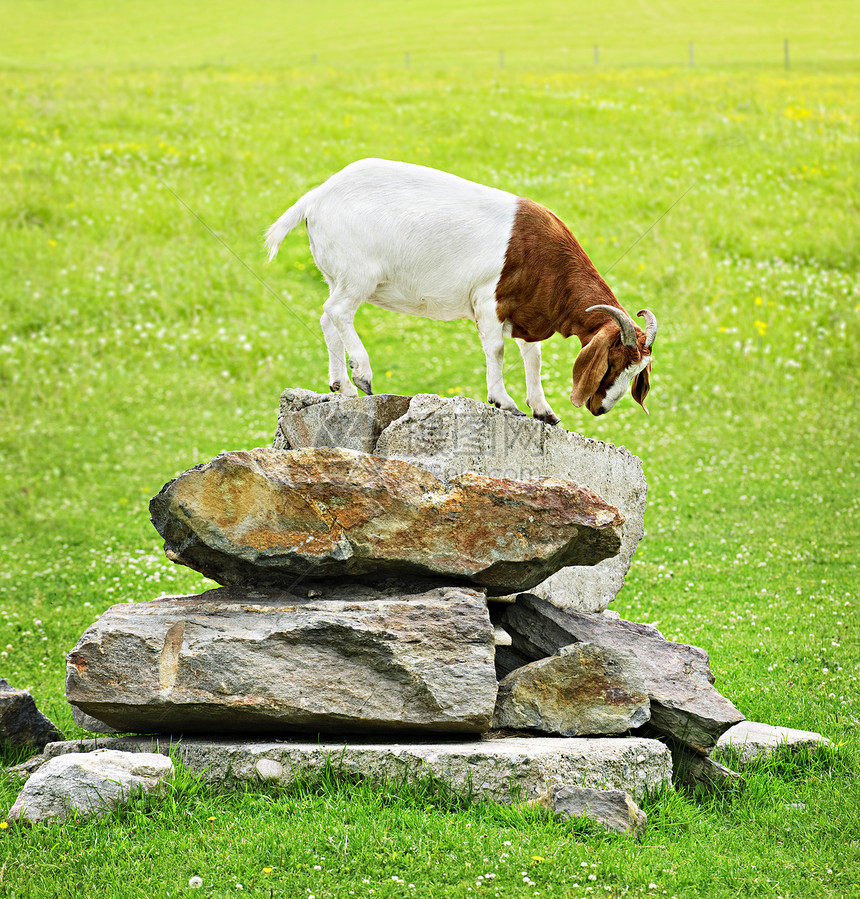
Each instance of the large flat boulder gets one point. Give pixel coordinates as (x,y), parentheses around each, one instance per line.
(504,770)
(684,703)
(350,659)
(451,436)
(267,517)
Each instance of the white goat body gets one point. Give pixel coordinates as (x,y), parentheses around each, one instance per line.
(416,240)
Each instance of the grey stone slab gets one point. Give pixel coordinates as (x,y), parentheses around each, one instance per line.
(351,659)
(450,436)
(751,741)
(684,703)
(500,770)
(90,783)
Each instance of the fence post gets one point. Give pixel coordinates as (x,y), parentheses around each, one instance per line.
(596,55)
(501,59)
(408,61)
(785,44)
(692,56)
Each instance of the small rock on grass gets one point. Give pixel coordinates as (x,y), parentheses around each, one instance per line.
(21,723)
(91,783)
(613,809)
(750,741)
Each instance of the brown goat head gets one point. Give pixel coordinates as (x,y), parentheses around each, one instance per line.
(616,356)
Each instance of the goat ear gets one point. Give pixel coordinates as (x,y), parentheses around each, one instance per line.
(590,367)
(641,386)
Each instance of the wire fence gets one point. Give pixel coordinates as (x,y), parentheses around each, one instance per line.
(785,55)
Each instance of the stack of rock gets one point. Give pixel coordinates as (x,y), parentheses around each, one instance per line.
(395,568)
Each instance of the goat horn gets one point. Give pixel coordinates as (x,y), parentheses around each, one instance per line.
(650,327)
(628,329)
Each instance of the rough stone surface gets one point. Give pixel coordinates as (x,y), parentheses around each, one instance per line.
(749,741)
(21,723)
(352,659)
(613,809)
(266,517)
(91,783)
(452,436)
(503,770)
(678,678)
(308,419)
(585,689)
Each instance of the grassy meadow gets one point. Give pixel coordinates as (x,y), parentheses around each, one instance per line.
(143,151)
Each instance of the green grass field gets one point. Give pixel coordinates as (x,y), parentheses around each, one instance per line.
(134,343)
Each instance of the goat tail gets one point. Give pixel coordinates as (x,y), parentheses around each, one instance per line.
(279,230)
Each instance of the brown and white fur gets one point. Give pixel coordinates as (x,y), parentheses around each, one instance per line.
(416,240)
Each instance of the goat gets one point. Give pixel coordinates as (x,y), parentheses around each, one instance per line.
(423,242)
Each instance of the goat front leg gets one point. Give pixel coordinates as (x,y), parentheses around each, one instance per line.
(493,341)
(340,308)
(534,389)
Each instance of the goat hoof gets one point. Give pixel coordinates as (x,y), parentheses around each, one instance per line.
(334,388)
(363,385)
(549,417)
(513,411)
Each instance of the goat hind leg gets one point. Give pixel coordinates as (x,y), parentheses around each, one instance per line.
(340,309)
(338,379)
